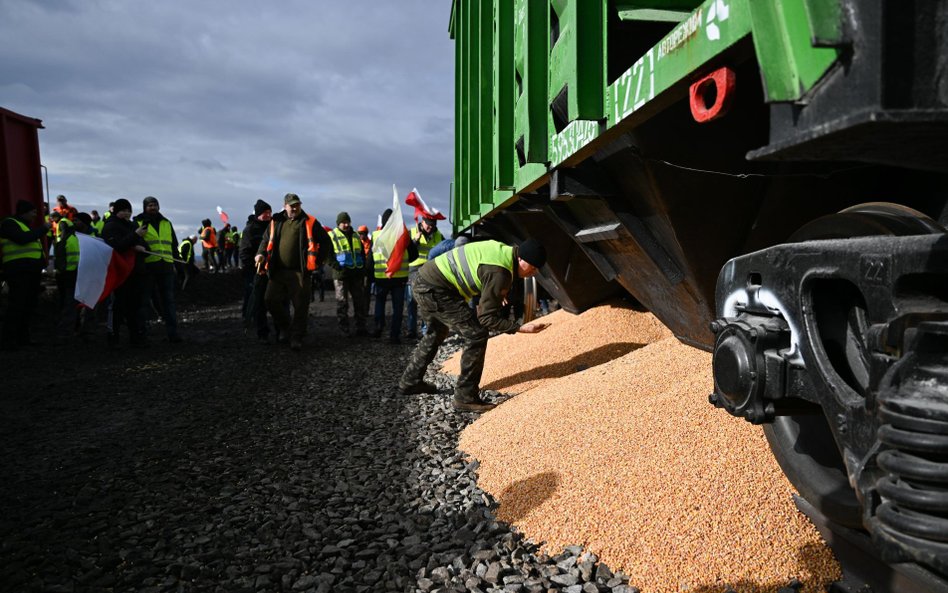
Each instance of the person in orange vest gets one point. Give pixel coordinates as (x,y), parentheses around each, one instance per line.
(64,209)
(292,248)
(209,243)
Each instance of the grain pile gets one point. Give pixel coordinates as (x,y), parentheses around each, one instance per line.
(518,362)
(630,460)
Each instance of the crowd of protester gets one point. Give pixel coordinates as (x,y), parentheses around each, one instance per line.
(285,259)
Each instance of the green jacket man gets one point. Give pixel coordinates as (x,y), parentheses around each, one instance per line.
(443,287)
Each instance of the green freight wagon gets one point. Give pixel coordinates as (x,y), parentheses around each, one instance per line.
(770,179)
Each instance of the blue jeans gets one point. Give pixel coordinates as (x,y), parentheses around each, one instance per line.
(383,288)
(165,283)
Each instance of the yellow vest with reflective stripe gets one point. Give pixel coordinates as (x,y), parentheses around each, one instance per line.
(186,250)
(13,251)
(72,252)
(381,264)
(62,229)
(159,242)
(97,227)
(424,245)
(348,251)
(460,264)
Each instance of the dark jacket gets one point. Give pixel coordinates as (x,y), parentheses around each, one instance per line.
(250,241)
(319,235)
(120,235)
(12,231)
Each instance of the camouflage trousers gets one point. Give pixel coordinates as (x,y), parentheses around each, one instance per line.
(350,289)
(445,311)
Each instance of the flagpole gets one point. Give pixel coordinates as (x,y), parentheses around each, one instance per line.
(162,256)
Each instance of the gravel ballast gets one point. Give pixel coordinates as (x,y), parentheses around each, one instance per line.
(628,459)
(222,464)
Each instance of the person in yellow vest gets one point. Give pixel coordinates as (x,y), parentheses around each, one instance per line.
(223,236)
(65,230)
(348,274)
(425,236)
(443,288)
(187,269)
(292,248)
(67,266)
(23,259)
(159,272)
(52,236)
(394,286)
(96,224)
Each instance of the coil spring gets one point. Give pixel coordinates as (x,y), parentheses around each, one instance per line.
(914,428)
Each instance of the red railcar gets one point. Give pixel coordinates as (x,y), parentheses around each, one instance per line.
(20,176)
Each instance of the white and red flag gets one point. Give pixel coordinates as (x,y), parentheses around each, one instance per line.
(101,269)
(422,210)
(224,218)
(392,240)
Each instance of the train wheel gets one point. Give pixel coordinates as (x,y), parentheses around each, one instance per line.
(804,445)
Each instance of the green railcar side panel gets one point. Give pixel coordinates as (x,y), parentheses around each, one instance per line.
(711,29)
(676,5)
(658,16)
(510,74)
(826,23)
(673,11)
(577,58)
(531,54)
(485,103)
(783,40)
(576,135)
(528,174)
(504,155)
(461,208)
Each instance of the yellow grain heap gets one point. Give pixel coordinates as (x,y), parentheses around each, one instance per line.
(630,460)
(518,362)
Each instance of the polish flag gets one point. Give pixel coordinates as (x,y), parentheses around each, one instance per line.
(422,210)
(101,269)
(392,240)
(224,218)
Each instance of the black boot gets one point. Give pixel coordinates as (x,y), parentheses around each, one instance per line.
(423,387)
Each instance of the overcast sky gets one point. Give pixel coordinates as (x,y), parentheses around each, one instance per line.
(218,102)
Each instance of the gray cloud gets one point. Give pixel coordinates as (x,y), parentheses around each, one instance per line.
(220,103)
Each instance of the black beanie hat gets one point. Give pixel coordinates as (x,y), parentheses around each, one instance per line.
(260,207)
(85,217)
(533,253)
(122,204)
(149,200)
(343,217)
(24,206)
